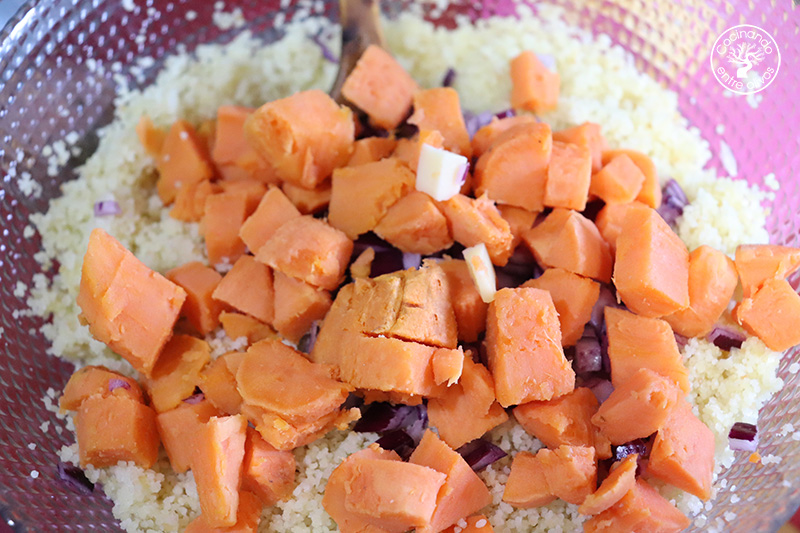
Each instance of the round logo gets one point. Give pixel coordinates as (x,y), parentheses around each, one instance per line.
(745,59)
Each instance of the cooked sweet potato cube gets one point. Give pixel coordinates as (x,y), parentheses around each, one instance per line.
(757,263)
(587,135)
(177,371)
(95,380)
(371,149)
(448,365)
(231,148)
(568,176)
(297,306)
(151,137)
(199,281)
(218,383)
(238,325)
(248,287)
(519,220)
(252,189)
(190,201)
(177,428)
(527,486)
(440,109)
(414,224)
(618,182)
(469,307)
(488,134)
(308,201)
(408,150)
(222,219)
(772,314)
(650,194)
(183,161)
(570,471)
(268,473)
(619,482)
(248,516)
(475,221)
(361,267)
(610,218)
(273,210)
(533,86)
(641,509)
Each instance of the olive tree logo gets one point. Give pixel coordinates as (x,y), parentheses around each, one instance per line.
(745,59)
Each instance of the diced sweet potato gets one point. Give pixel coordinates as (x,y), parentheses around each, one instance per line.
(116,428)
(683,453)
(519,221)
(408,150)
(310,250)
(651,272)
(223,218)
(217,467)
(268,473)
(588,135)
(566,239)
(248,516)
(440,109)
(183,161)
(177,371)
(297,305)
(95,380)
(570,471)
(641,509)
(772,314)
(218,383)
(638,407)
(610,218)
(380,87)
(232,149)
(618,182)
(527,486)
(486,136)
(415,225)
(371,149)
(304,136)
(533,86)
(448,366)
(190,201)
(650,194)
(361,267)
(252,189)
(373,187)
(574,297)
(467,409)
(569,175)
(469,307)
(248,287)
(473,524)
(462,493)
(565,420)
(151,137)
(199,282)
(206,131)
(712,281)
(238,325)
(636,342)
(757,263)
(523,343)
(513,170)
(619,482)
(126,305)
(308,201)
(475,221)
(177,428)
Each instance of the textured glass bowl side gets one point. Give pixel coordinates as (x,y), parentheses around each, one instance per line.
(45,93)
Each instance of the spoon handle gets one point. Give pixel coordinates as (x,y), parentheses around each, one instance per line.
(361,27)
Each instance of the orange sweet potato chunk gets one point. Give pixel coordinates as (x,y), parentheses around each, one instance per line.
(527,486)
(570,471)
(218,383)
(448,365)
(150,136)
(177,428)
(190,201)
(651,272)
(199,282)
(565,420)
(469,307)
(440,109)
(183,161)
(619,482)
(380,87)
(253,191)
(93,380)
(414,224)
(650,194)
(637,408)
(177,371)
(641,509)
(222,219)
(488,134)
(268,473)
(373,187)
(574,297)
(248,287)
(712,281)
(467,409)
(618,182)
(407,150)
(587,135)
(772,314)
(126,305)
(610,218)
(636,342)
(231,148)
(533,86)
(248,516)
(683,453)
(523,343)
(371,149)
(757,263)
(217,467)
(474,524)
(116,428)
(566,239)
(474,221)
(297,305)
(310,250)
(304,136)
(361,267)
(238,325)
(514,169)
(462,493)
(569,175)
(308,201)
(519,221)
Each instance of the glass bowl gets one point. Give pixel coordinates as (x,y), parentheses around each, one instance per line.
(45,94)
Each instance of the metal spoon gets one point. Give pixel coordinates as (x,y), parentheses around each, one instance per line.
(361,27)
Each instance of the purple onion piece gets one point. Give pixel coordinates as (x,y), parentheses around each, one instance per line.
(326,52)
(680,340)
(411,260)
(475,121)
(588,354)
(480,453)
(398,441)
(602,388)
(382,416)
(105,208)
(669,213)
(353,400)
(75,478)
(464,173)
(725,338)
(116,383)
(743,436)
(194,399)
(515,274)
(592,209)
(416,422)
(506,113)
(640,446)
(607,298)
(307,341)
(673,202)
(548,60)
(449,77)
(386,262)
(406,130)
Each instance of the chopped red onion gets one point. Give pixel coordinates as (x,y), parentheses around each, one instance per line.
(743,437)
(194,399)
(673,202)
(475,121)
(588,354)
(449,77)
(480,453)
(105,208)
(726,338)
(353,400)
(592,209)
(602,388)
(75,478)
(398,441)
(386,262)
(411,260)
(381,416)
(507,113)
(116,383)
(680,340)
(464,174)
(326,52)
(416,422)
(406,130)
(548,60)
(640,446)
(607,298)
(307,341)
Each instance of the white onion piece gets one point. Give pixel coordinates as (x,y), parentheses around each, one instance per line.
(440,173)
(482,271)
